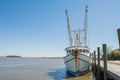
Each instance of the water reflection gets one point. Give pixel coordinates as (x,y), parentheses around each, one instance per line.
(61,74)
(58,74)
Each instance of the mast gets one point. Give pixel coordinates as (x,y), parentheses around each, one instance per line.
(69,31)
(85,26)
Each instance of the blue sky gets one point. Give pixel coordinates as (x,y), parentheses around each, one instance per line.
(38,27)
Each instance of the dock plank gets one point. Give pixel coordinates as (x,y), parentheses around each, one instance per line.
(113,68)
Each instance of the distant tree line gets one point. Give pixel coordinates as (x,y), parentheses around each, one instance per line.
(14,56)
(114,55)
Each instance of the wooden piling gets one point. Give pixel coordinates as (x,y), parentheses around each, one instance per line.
(118,31)
(98,51)
(95,62)
(105,61)
(95,58)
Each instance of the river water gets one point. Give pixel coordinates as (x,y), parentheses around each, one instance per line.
(36,69)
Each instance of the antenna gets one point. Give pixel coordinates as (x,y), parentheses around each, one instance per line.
(85,26)
(69,31)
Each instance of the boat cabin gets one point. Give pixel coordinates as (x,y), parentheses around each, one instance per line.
(80,50)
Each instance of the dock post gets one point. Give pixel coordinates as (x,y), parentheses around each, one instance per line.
(98,51)
(105,61)
(94,61)
(118,31)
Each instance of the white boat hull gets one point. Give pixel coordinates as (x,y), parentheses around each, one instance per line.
(77,65)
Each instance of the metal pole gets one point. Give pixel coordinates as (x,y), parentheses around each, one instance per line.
(105,61)
(98,51)
(85,26)
(69,30)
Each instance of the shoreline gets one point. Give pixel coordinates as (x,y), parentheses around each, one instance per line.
(31,57)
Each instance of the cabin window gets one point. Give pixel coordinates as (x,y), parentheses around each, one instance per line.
(87,51)
(72,51)
(69,51)
(84,51)
(80,50)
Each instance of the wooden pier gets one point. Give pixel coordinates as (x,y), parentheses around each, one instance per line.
(113,69)
(109,70)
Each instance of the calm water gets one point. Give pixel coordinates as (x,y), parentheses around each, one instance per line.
(36,69)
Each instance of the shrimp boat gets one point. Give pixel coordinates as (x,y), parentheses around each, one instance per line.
(77,59)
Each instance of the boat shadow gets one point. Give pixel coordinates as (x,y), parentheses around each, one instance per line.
(60,74)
